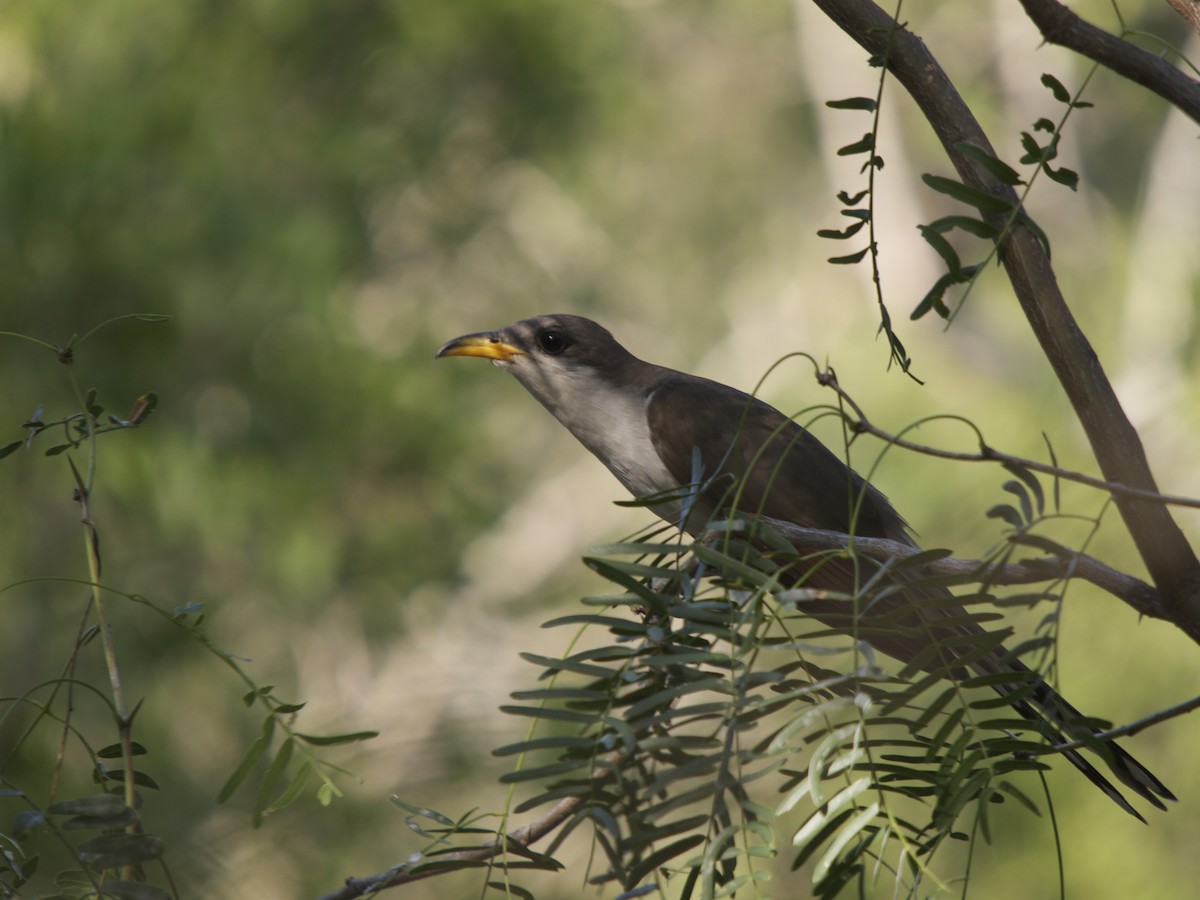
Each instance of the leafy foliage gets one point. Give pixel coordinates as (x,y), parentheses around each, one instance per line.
(113,863)
(989,206)
(708,694)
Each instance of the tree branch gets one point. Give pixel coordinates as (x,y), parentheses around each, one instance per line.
(1068,564)
(1061,26)
(425,867)
(1132,728)
(860,424)
(1168,556)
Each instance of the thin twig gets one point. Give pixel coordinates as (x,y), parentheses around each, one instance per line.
(860,424)
(520,837)
(1132,728)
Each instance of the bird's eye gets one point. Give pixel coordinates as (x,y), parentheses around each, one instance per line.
(552,341)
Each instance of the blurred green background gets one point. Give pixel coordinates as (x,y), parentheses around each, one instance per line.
(319,194)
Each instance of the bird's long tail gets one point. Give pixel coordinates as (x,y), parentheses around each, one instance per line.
(1059,720)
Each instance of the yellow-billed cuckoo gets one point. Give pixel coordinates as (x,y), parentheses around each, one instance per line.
(657,430)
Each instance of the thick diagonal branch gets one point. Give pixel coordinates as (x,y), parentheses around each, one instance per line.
(1061,26)
(1118,449)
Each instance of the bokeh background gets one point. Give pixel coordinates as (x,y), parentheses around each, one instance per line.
(320,193)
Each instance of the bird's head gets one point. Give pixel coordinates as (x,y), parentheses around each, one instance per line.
(560,359)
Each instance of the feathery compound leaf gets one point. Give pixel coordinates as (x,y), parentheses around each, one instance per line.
(576,664)
(663,856)
(852,829)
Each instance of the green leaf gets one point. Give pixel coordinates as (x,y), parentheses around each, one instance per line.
(563,742)
(1062,175)
(256,752)
(976,227)
(569,664)
(293,790)
(1061,94)
(827,233)
(98,805)
(1035,153)
(865,144)
(848,832)
(956,190)
(271,779)
(1018,490)
(550,714)
(662,856)
(332,740)
(619,573)
(1007,513)
(933,299)
(851,199)
(849,259)
(1031,482)
(942,247)
(1038,233)
(100,823)
(422,811)
(116,751)
(111,851)
(864,103)
(551,770)
(1013,791)
(1001,170)
(10,448)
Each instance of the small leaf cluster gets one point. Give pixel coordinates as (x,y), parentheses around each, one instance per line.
(707,696)
(857,206)
(988,208)
(113,862)
(81,426)
(290,766)
(121,848)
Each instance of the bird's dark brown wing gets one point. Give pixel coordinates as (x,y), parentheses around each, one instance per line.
(754,460)
(768,465)
(783,471)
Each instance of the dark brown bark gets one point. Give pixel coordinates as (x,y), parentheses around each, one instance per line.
(1061,26)
(1117,447)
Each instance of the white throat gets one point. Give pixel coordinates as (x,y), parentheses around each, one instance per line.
(609,421)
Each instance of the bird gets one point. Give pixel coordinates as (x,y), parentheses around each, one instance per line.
(699,449)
